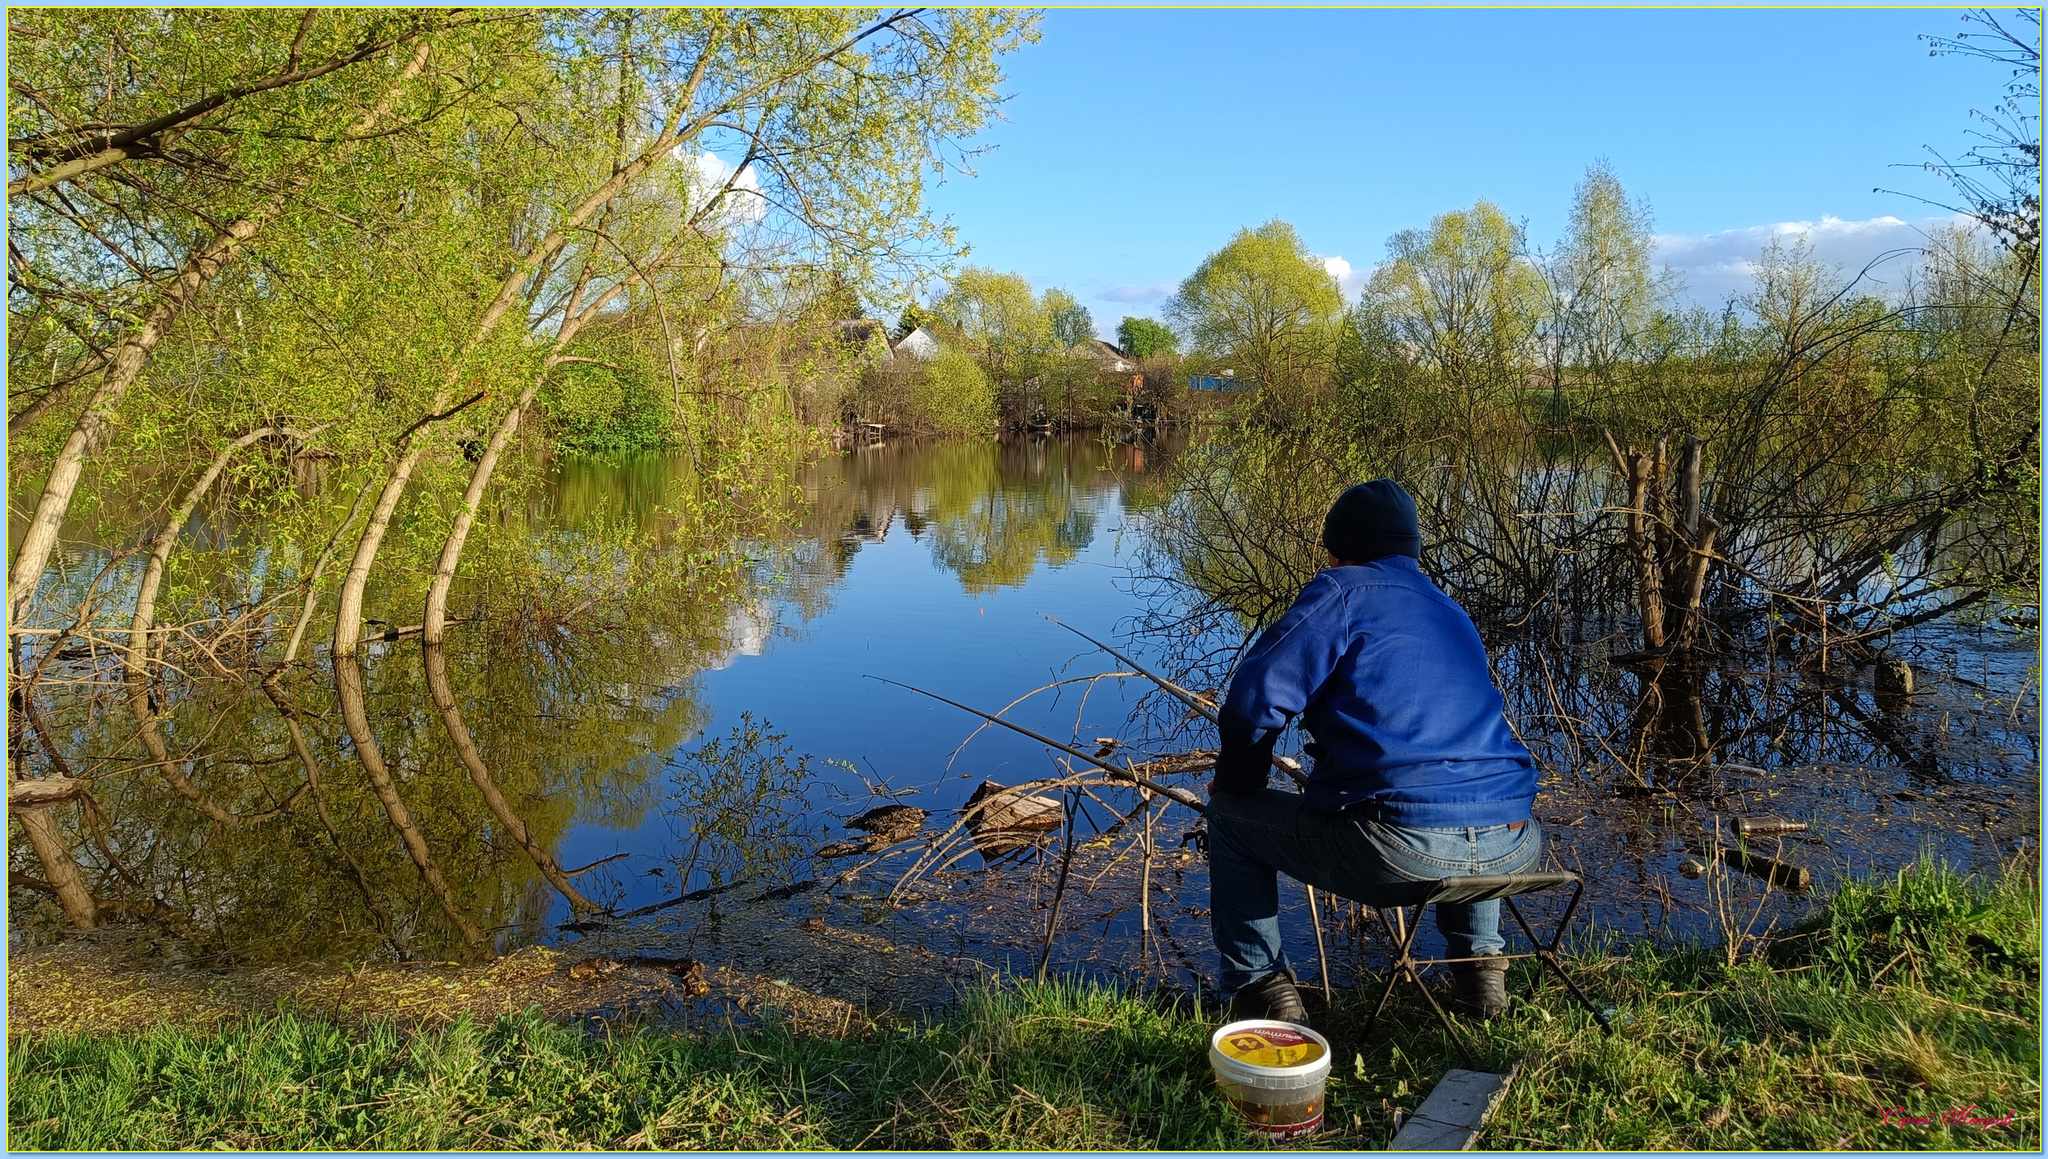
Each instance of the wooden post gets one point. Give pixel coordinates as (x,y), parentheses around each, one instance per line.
(1689,486)
(1322,955)
(1657,508)
(1648,585)
(1145,887)
(1702,559)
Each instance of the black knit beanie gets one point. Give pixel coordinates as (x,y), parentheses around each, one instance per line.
(1370,521)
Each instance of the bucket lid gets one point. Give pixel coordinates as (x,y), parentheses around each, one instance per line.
(1265,1052)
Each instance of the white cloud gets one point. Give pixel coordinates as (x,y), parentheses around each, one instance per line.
(1139,293)
(740,205)
(1348,280)
(1715,266)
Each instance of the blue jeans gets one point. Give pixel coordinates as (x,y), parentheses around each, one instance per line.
(1253,836)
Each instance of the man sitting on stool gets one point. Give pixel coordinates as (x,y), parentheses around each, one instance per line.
(1416,775)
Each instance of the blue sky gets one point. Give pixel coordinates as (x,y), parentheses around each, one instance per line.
(1137,141)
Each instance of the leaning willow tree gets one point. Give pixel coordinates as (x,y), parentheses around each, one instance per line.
(314,272)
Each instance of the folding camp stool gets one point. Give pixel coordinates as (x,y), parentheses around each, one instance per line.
(1463,891)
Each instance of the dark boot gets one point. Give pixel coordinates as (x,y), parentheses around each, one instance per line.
(1272,996)
(1480,989)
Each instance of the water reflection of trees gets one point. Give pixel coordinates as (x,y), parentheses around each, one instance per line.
(739,808)
(587,609)
(253,829)
(990,512)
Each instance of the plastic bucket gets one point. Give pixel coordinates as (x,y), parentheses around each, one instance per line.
(1272,1074)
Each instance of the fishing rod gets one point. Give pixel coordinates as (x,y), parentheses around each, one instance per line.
(1200,704)
(1208,709)
(1123,774)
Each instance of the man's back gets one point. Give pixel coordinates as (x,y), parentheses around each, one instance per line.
(1391,680)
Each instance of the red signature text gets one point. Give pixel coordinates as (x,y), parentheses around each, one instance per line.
(1960,1117)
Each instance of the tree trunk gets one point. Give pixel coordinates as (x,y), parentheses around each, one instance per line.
(1689,486)
(348,683)
(1648,586)
(124,366)
(348,613)
(55,854)
(136,661)
(1702,559)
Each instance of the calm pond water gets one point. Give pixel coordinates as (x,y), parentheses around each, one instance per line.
(696,757)
(933,565)
(918,579)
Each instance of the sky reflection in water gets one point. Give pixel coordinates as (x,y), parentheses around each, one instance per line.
(944,561)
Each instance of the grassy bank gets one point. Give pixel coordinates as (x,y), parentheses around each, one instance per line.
(1910,997)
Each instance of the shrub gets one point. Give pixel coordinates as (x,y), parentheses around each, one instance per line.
(598,409)
(954,396)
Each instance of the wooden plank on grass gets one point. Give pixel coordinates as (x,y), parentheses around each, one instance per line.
(1451,1118)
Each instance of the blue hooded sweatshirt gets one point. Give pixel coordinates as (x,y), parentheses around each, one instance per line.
(1390,679)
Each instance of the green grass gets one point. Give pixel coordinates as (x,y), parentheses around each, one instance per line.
(1920,993)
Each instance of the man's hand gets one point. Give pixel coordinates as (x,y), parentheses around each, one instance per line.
(1242,767)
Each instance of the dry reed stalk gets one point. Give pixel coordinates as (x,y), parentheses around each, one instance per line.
(1059,893)
(1322,955)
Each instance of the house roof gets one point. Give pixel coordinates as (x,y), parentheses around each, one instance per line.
(920,344)
(1097,348)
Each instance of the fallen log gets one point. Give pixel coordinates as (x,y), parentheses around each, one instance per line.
(890,823)
(1002,819)
(1792,878)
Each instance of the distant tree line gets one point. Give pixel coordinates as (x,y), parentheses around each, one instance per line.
(1821,451)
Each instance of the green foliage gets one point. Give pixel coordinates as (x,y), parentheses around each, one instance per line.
(998,320)
(1461,293)
(1266,303)
(602,409)
(1070,321)
(1144,337)
(740,810)
(1077,390)
(954,396)
(367,293)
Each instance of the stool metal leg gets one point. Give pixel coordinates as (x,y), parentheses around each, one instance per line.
(1546,952)
(1400,941)
(1405,964)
